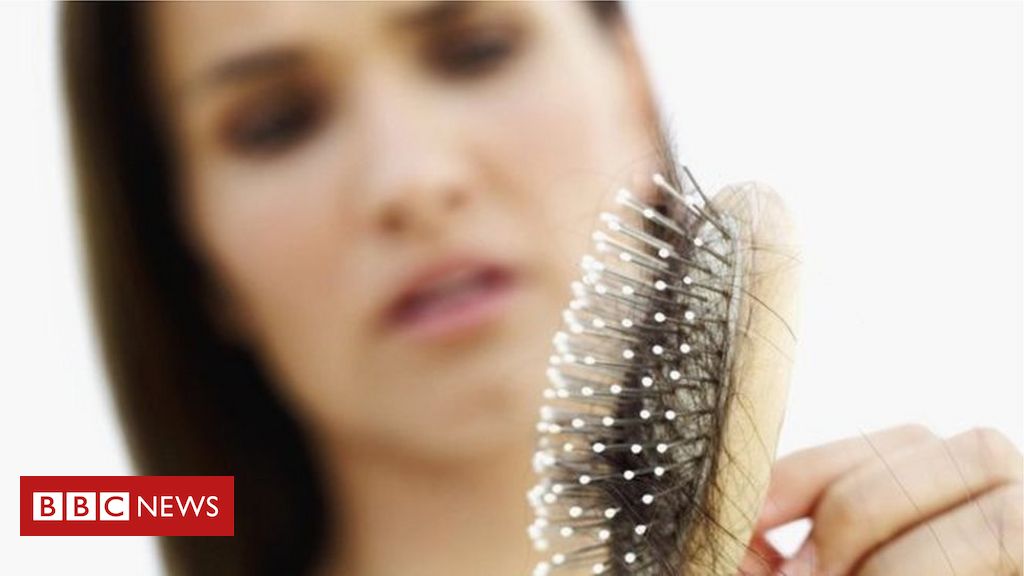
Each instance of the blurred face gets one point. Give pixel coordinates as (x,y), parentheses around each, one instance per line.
(393,197)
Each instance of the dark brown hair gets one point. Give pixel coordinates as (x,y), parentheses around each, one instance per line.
(191,402)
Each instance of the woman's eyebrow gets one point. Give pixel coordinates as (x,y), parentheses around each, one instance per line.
(434,14)
(252,65)
(269,61)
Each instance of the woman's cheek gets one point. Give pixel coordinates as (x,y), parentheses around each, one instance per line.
(276,239)
(550,139)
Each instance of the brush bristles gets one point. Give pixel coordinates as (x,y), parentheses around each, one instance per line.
(638,385)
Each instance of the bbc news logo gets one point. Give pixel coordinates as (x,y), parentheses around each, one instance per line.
(127,506)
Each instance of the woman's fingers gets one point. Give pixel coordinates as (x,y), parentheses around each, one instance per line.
(762,558)
(878,506)
(800,479)
(896,491)
(980,538)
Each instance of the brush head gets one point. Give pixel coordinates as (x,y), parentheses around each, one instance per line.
(639,387)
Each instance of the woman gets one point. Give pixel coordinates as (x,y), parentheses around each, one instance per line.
(329,244)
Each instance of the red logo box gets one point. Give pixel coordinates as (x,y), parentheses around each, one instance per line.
(127,506)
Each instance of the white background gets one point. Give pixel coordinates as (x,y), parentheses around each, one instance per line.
(894,131)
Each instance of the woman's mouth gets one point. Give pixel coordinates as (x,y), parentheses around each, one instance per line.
(451,300)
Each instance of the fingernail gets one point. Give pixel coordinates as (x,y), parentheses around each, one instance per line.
(803,563)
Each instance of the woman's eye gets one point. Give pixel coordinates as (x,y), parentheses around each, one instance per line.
(273,124)
(469,54)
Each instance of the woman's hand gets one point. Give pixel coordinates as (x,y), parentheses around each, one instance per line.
(898,502)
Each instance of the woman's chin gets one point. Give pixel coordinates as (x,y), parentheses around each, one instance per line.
(468,398)
(473,428)
(470,423)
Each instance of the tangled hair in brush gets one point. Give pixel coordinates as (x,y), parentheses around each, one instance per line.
(634,439)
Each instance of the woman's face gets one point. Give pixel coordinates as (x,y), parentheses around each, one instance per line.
(393,197)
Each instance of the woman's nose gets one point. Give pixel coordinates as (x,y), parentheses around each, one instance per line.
(415,176)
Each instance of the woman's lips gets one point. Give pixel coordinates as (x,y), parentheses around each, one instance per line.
(451,300)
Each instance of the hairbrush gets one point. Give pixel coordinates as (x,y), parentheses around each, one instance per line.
(640,385)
